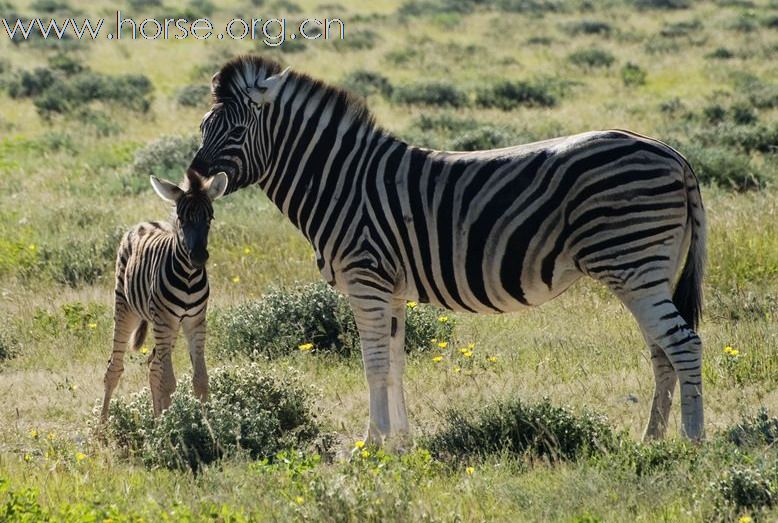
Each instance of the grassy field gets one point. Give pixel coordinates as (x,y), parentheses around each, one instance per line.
(73,177)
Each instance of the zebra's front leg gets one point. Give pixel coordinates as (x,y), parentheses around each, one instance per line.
(161,378)
(194,330)
(398,417)
(373,317)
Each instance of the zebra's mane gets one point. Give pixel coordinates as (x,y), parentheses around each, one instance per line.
(242,71)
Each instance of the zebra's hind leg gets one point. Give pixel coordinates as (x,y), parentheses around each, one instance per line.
(161,378)
(194,330)
(665,380)
(664,326)
(125,322)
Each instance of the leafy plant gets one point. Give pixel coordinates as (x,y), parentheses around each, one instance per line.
(507,95)
(591,57)
(166,157)
(430,93)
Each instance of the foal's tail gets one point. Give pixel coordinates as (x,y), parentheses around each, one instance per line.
(138,336)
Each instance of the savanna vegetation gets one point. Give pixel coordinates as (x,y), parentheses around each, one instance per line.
(527,417)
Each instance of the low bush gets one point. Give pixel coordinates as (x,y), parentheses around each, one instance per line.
(71,93)
(591,57)
(507,95)
(194,95)
(720,53)
(367,83)
(8,346)
(316,314)
(430,93)
(358,40)
(633,75)
(743,489)
(760,429)
(724,167)
(651,458)
(30,83)
(80,261)
(486,137)
(537,7)
(589,27)
(663,4)
(250,412)
(514,427)
(684,28)
(166,157)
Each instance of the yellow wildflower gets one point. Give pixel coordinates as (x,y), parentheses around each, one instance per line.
(492,359)
(144,350)
(470,470)
(468,354)
(471,346)
(73,387)
(34,434)
(359,444)
(299,500)
(442,344)
(411,304)
(247,250)
(745,519)
(92,325)
(50,436)
(457,370)
(27,457)
(305,347)
(32,247)
(731,352)
(236,279)
(80,456)
(437,359)
(443,319)
(365,454)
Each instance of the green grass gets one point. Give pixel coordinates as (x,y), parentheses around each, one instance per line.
(68,189)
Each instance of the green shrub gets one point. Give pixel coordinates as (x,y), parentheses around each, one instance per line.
(720,53)
(51,6)
(30,83)
(144,4)
(430,93)
(761,429)
(358,40)
(747,138)
(589,27)
(592,57)
(714,113)
(66,63)
(633,75)
(166,157)
(80,261)
(745,23)
(685,28)
(413,8)
(742,488)
(281,321)
(507,95)
(538,7)
(250,412)
(656,457)
(761,94)
(194,95)
(367,83)
(663,4)
(486,137)
(724,167)
(9,347)
(517,428)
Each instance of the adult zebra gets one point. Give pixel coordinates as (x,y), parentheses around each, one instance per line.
(487,231)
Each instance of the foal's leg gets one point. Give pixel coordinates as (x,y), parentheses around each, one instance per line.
(161,378)
(194,330)
(125,322)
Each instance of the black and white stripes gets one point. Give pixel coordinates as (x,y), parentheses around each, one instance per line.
(161,280)
(487,231)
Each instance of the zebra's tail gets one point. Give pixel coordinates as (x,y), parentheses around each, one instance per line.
(688,293)
(139,335)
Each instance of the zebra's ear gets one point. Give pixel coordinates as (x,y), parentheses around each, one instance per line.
(216,186)
(267,90)
(166,190)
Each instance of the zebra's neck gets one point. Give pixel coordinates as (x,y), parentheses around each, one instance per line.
(180,261)
(320,149)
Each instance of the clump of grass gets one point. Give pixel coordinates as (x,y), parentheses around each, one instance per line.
(633,75)
(250,412)
(166,157)
(514,427)
(9,347)
(193,95)
(538,7)
(433,93)
(684,28)
(482,138)
(647,459)
(591,57)
(720,53)
(312,317)
(359,40)
(663,4)
(367,83)
(724,167)
(507,95)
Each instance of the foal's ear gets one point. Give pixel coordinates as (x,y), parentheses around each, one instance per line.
(216,186)
(166,190)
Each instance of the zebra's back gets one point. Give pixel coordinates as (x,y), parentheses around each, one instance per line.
(492,231)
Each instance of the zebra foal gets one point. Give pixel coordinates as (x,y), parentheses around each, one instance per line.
(161,279)
(483,231)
